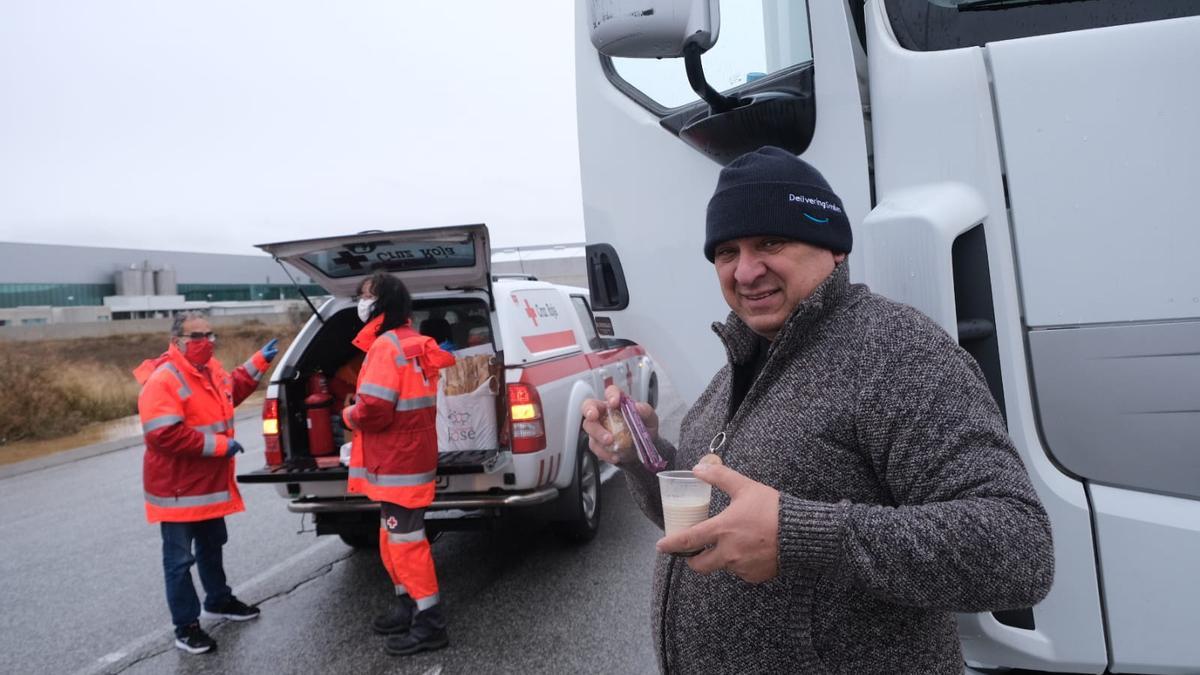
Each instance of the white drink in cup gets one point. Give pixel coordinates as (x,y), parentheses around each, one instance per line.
(684,500)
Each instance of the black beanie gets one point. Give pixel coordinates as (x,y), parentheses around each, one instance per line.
(773,192)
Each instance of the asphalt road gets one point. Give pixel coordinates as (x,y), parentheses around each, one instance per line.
(81,587)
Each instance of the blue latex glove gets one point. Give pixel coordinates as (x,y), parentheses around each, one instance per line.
(270,350)
(234,448)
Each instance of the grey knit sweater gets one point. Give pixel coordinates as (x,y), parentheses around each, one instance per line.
(902,499)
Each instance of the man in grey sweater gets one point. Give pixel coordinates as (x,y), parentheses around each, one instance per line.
(868,489)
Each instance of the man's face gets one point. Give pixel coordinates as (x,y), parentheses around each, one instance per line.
(764,278)
(192,326)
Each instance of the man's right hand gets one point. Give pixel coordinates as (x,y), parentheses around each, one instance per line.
(234,448)
(600,440)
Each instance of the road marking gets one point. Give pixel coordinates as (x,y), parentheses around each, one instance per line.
(141,647)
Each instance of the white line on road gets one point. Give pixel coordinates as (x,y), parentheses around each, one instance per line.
(161,636)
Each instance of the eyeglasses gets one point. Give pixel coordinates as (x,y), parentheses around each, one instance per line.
(210,336)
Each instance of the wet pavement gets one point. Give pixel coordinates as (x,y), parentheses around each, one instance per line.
(81,583)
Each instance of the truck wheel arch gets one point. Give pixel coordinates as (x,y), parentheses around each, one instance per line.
(573,428)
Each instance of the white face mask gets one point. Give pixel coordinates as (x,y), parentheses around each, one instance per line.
(365,305)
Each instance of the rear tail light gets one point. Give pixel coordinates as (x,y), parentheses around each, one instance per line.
(270,417)
(525,413)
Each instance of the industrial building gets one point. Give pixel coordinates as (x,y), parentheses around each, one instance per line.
(45,283)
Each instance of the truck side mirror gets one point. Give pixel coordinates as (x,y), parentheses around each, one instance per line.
(661,29)
(687,28)
(652,29)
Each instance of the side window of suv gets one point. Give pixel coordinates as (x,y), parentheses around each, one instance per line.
(589,324)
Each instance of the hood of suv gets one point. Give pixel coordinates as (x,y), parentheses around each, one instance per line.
(426,260)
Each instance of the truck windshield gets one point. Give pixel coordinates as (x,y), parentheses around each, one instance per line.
(933,25)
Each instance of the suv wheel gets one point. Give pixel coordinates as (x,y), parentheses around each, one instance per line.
(582,499)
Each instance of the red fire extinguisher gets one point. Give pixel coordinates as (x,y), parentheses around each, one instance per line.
(318,405)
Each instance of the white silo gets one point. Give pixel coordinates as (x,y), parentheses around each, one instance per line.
(147,278)
(129,280)
(164,281)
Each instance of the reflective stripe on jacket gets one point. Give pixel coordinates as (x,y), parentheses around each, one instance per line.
(394,453)
(187,421)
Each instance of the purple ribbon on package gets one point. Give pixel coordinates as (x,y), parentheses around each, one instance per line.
(646,452)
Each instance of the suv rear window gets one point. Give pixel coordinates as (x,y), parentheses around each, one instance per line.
(364,258)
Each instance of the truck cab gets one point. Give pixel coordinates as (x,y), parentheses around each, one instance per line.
(1020,171)
(536,355)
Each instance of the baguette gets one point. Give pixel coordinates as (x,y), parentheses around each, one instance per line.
(467,374)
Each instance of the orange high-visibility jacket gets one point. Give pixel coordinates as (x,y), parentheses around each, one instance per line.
(187,419)
(394,454)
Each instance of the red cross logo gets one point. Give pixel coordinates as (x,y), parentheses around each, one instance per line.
(531,312)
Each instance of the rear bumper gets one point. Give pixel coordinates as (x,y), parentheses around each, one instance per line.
(440,502)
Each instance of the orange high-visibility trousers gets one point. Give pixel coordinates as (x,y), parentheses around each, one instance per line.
(406,555)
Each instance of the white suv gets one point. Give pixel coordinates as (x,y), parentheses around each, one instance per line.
(549,356)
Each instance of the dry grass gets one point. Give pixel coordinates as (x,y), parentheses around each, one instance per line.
(56,387)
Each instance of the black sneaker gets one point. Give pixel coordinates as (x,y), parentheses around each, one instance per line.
(234,610)
(193,640)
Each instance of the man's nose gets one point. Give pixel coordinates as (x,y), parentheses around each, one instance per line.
(749,269)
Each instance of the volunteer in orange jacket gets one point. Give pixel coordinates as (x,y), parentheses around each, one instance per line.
(394,456)
(186,407)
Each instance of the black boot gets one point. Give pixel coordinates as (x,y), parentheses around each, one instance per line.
(428,633)
(398,619)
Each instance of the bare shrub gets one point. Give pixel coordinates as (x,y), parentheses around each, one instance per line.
(56,387)
(32,404)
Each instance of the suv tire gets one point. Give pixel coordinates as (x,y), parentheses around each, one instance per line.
(581,502)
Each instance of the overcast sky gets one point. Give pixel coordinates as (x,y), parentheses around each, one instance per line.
(218,124)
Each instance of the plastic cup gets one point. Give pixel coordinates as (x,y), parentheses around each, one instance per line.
(684,500)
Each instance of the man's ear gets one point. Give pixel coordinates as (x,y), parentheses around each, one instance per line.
(838,258)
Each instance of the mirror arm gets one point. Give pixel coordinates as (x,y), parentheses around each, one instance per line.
(695,74)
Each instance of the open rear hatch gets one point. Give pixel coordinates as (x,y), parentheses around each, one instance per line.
(432,259)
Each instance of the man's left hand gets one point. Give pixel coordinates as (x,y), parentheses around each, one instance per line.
(744,538)
(270,350)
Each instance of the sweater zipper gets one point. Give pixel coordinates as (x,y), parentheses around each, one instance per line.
(714,447)
(716,444)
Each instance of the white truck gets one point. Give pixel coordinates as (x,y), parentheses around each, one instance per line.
(548,357)
(1022,171)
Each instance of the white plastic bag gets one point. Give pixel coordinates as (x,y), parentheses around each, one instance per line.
(467,421)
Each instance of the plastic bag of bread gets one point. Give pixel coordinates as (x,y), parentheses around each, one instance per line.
(614,421)
(628,430)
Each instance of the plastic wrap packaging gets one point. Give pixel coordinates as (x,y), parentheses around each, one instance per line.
(630,430)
